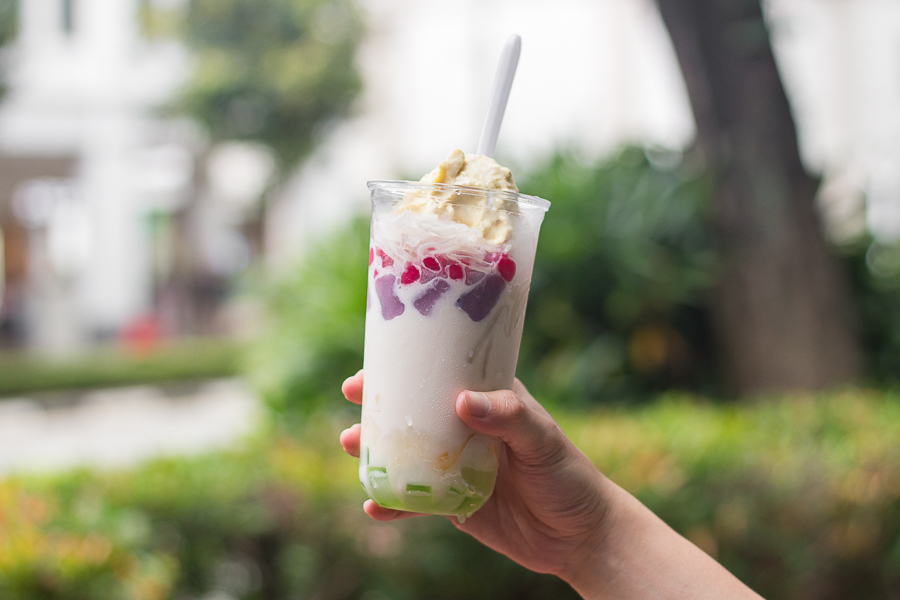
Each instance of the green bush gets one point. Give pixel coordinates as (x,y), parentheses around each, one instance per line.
(277,519)
(316,326)
(274,71)
(799,497)
(115,366)
(875,274)
(617,304)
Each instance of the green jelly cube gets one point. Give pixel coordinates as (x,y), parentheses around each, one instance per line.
(470,505)
(418,490)
(481,482)
(380,488)
(418,498)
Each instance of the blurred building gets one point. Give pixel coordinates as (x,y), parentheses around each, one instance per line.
(109,226)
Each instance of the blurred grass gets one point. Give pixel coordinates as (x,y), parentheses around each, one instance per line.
(798,496)
(113,366)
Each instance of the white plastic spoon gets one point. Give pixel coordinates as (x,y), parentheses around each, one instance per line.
(506,70)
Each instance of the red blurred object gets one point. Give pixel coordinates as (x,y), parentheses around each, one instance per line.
(141,334)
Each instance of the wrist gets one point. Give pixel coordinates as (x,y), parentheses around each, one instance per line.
(586,572)
(634,554)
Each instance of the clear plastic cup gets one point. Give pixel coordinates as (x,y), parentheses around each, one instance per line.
(444,314)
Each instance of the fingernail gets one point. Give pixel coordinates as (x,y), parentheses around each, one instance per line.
(477,404)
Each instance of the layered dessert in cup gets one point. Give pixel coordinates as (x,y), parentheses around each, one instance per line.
(450,264)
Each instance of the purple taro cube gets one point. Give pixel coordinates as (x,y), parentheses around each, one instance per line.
(391,306)
(473,276)
(425,302)
(479,301)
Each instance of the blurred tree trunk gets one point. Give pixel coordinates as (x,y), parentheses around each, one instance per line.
(781,310)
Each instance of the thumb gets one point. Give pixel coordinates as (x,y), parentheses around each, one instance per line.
(532,435)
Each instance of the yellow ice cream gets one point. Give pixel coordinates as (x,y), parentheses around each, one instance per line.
(488,214)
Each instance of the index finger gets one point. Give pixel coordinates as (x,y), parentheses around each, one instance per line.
(352,388)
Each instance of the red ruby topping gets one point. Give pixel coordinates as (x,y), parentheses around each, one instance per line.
(371,255)
(506,267)
(410,274)
(386,260)
(444,260)
(431,263)
(455,272)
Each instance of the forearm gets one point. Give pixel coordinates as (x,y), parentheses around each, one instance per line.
(636,555)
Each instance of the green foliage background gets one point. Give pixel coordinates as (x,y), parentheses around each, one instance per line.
(315,332)
(9,20)
(799,497)
(874,268)
(114,366)
(273,71)
(9,24)
(625,257)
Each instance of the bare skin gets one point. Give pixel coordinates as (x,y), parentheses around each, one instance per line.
(552,511)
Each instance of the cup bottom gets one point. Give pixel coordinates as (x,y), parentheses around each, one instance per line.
(466,494)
